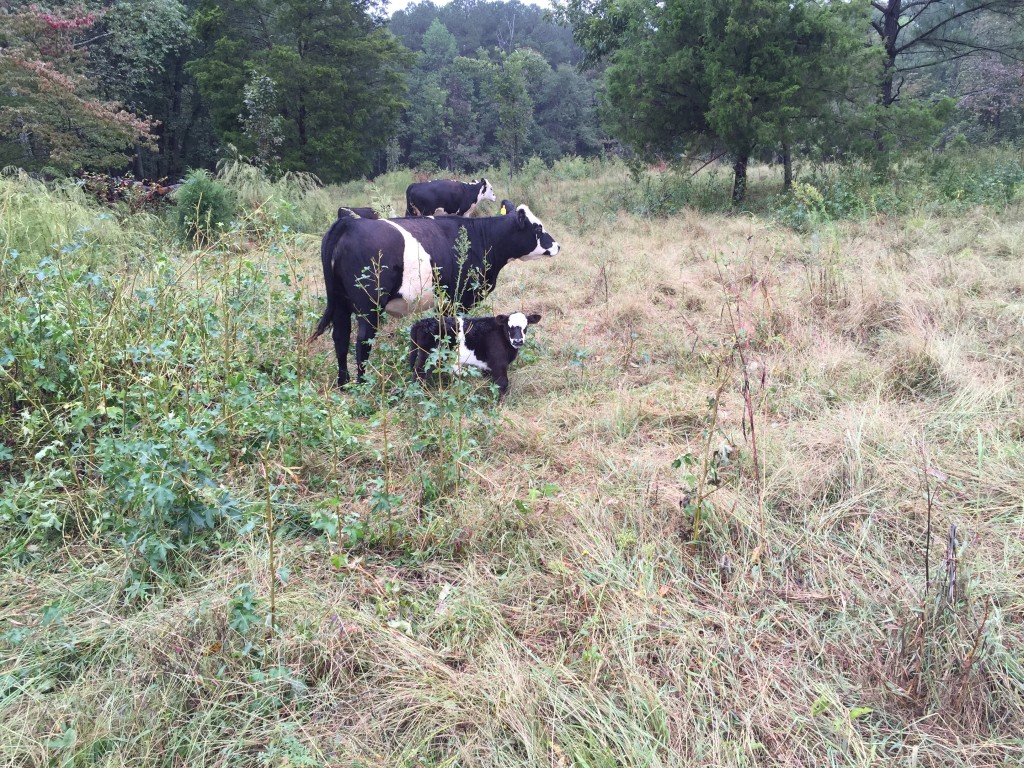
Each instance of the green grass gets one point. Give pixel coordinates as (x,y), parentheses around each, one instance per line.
(213,558)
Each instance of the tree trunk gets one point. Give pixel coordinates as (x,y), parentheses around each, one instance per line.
(787,166)
(137,168)
(890,33)
(739,183)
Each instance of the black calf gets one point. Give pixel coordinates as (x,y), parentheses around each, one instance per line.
(487,343)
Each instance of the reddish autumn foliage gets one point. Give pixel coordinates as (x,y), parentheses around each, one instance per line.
(49,109)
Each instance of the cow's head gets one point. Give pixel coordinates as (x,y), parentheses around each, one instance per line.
(484,191)
(527,222)
(515,324)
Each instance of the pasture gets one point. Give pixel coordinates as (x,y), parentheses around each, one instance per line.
(756,496)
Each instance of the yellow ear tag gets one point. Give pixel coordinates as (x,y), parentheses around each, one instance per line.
(503,211)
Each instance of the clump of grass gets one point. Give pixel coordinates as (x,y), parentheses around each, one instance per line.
(38,219)
(916,369)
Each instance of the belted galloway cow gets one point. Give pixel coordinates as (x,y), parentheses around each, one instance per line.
(490,344)
(398,265)
(453,198)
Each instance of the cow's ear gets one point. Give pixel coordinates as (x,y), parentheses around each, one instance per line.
(532,319)
(521,219)
(501,319)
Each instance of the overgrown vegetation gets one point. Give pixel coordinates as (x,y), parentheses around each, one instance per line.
(754,496)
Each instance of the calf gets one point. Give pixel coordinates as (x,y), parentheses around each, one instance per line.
(454,198)
(487,343)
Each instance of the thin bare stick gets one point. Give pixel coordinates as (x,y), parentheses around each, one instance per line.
(270,538)
(974,649)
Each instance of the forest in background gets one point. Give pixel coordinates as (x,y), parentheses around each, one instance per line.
(338,90)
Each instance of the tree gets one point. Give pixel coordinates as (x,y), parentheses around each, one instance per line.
(427,132)
(742,73)
(51,115)
(922,34)
(337,73)
(511,90)
(990,86)
(920,37)
(475,24)
(565,115)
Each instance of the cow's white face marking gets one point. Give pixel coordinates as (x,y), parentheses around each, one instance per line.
(539,251)
(487,193)
(417,289)
(517,323)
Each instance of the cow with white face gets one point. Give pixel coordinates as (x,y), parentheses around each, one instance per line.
(398,266)
(487,343)
(446,198)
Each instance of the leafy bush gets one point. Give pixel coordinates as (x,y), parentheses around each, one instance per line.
(804,208)
(573,168)
(203,205)
(127,398)
(667,193)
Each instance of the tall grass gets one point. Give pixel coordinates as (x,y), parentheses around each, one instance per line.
(523,584)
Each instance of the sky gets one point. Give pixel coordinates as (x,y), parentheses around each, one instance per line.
(395,5)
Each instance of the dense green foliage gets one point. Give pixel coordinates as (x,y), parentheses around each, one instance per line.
(487,24)
(336,90)
(203,205)
(686,76)
(329,73)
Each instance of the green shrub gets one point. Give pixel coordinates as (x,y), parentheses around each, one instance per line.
(129,393)
(203,205)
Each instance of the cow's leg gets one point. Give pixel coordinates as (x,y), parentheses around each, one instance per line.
(501,379)
(366,329)
(342,331)
(418,354)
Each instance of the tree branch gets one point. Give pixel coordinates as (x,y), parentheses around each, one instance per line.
(991,5)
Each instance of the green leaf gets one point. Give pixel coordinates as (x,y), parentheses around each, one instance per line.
(65,740)
(858,712)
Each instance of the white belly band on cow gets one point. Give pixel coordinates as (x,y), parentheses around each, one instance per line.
(466,356)
(416,291)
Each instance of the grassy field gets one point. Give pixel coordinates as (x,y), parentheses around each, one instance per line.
(756,496)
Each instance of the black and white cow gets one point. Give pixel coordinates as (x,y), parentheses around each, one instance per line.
(454,198)
(487,343)
(357,213)
(398,265)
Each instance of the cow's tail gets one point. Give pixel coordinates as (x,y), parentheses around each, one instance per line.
(327,247)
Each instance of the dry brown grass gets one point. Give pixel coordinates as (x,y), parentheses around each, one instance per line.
(586,629)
